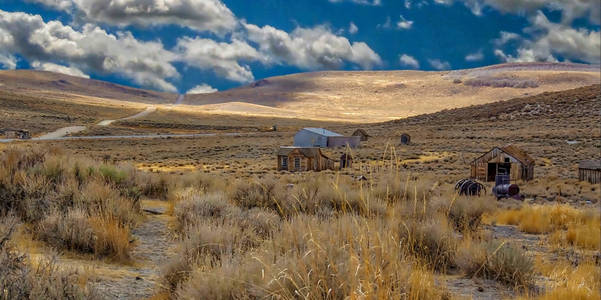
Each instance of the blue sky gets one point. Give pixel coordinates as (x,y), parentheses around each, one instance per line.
(204,45)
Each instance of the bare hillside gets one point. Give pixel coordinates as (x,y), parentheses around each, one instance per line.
(584,102)
(61,86)
(385,95)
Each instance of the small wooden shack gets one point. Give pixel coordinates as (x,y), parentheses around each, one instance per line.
(15,133)
(346,160)
(508,159)
(590,170)
(405,139)
(362,134)
(298,159)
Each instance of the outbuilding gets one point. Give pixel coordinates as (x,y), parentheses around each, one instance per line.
(362,134)
(323,138)
(590,170)
(15,133)
(405,139)
(508,159)
(298,159)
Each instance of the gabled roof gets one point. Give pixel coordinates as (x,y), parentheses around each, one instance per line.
(306,151)
(360,131)
(512,151)
(518,154)
(592,164)
(322,131)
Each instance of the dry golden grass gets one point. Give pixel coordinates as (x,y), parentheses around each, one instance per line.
(582,282)
(111,238)
(567,226)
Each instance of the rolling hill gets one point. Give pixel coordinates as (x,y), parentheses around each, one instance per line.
(341,96)
(375,96)
(61,87)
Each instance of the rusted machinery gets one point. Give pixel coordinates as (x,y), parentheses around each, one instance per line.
(504,188)
(469,187)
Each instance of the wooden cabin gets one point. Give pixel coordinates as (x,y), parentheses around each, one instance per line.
(405,139)
(298,159)
(15,134)
(590,170)
(503,160)
(362,134)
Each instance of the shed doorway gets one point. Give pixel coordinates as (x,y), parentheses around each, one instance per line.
(497,168)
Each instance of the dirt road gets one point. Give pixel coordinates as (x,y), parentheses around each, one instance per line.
(144,113)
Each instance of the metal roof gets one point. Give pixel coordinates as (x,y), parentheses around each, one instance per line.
(322,131)
(590,164)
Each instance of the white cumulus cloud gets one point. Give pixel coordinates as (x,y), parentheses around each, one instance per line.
(352,28)
(439,64)
(404,23)
(310,48)
(570,9)
(56,4)
(50,67)
(550,40)
(476,56)
(409,61)
(362,2)
(202,89)
(222,58)
(90,49)
(200,15)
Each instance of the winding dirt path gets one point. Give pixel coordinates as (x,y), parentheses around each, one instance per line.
(144,113)
(62,132)
(153,244)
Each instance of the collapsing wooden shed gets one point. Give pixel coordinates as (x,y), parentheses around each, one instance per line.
(362,134)
(503,160)
(297,159)
(590,170)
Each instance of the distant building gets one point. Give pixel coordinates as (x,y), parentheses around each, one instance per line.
(508,159)
(297,159)
(590,170)
(15,134)
(405,139)
(362,134)
(323,138)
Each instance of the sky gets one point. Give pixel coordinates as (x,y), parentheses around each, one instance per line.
(201,46)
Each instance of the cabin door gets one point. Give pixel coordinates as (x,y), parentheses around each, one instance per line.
(497,168)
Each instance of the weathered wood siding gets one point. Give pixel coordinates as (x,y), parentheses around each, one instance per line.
(479,168)
(319,163)
(592,176)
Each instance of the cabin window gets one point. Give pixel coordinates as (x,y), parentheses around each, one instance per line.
(284,162)
(297,163)
(507,159)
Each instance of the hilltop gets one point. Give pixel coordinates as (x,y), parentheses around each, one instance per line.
(61,87)
(376,96)
(338,96)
